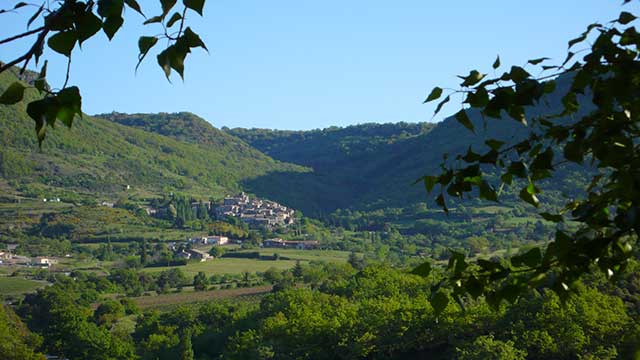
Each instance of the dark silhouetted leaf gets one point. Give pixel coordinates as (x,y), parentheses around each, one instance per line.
(134,5)
(441,104)
(195,5)
(155,19)
(439,302)
(625,18)
(434,94)
(463,119)
(63,42)
(531,258)
(111,25)
(174,18)
(13,94)
(423,269)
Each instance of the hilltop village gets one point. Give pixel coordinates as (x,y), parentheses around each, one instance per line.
(255,212)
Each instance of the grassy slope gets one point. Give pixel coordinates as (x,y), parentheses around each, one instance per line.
(100,156)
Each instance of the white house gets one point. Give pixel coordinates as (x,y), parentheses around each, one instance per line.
(215,240)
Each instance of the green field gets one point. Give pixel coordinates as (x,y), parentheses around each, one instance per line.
(240,265)
(227,266)
(190,296)
(307,255)
(15,285)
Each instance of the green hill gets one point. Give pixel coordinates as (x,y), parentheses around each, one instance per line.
(98,157)
(371,166)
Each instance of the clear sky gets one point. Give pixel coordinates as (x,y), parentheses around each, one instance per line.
(312,64)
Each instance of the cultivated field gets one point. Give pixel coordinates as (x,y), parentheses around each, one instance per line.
(16,285)
(163,300)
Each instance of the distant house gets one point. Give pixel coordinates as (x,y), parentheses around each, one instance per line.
(43,261)
(291,244)
(107,204)
(183,255)
(199,255)
(210,240)
(274,243)
(4,255)
(215,240)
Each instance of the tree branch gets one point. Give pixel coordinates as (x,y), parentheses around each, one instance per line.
(16,37)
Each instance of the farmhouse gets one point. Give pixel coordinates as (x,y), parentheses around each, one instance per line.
(210,240)
(199,255)
(292,244)
(43,261)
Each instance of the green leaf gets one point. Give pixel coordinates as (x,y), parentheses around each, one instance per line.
(531,258)
(423,269)
(473,78)
(430,182)
(111,25)
(134,5)
(434,94)
(87,25)
(510,292)
(552,217)
(13,94)
(109,8)
(173,58)
(43,112)
(166,6)
(494,144)
(195,5)
(537,61)
(63,42)
(573,151)
(474,287)
(457,262)
(626,18)
(155,19)
(174,18)
(463,119)
(439,302)
(488,192)
(70,104)
(528,194)
(579,39)
(543,161)
(518,74)
(496,64)
(35,15)
(191,39)
(441,104)
(145,43)
(490,266)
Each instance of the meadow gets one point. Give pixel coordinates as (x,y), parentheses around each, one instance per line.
(239,265)
(16,285)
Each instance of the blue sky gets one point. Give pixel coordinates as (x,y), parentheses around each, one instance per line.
(312,64)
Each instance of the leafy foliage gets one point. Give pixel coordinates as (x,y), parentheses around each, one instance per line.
(603,132)
(65,24)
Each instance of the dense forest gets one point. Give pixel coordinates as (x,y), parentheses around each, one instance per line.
(321,311)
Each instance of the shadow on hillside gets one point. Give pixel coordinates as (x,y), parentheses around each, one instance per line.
(310,192)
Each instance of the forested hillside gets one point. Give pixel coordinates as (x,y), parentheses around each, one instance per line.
(371,166)
(99,156)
